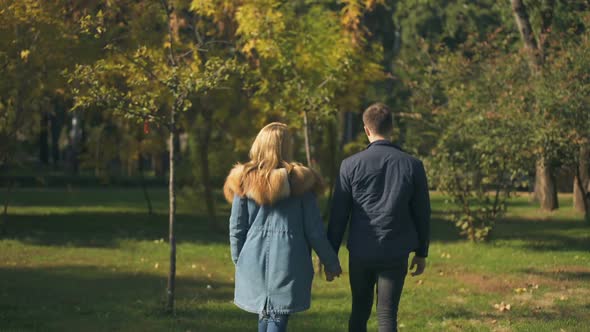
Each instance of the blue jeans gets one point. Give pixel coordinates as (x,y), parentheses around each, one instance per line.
(272,323)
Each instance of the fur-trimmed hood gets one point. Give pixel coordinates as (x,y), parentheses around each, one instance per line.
(294,180)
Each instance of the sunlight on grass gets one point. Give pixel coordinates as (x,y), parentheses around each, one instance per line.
(93,260)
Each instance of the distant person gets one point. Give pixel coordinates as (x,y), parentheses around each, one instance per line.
(383,194)
(275,221)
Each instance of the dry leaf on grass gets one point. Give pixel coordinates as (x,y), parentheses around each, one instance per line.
(520,290)
(502,307)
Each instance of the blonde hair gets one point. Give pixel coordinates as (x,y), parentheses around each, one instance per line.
(258,178)
(271,149)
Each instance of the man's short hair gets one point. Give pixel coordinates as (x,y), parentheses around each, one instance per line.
(378,119)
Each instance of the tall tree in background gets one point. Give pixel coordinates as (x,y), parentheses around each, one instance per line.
(536,48)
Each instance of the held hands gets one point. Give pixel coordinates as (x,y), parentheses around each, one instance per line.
(419,263)
(331,275)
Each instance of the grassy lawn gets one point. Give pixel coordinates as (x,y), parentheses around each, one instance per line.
(93,260)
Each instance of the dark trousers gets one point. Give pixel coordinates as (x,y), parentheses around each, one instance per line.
(389,278)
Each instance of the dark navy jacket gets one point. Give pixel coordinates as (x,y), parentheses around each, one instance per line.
(383,192)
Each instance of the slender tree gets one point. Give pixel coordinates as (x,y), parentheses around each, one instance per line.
(153,83)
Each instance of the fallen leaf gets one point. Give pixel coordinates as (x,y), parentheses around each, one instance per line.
(501,307)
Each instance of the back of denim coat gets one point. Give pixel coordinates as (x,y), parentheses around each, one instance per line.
(271,249)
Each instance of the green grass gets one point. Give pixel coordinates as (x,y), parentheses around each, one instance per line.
(92,260)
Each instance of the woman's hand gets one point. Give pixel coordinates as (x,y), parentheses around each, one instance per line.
(331,275)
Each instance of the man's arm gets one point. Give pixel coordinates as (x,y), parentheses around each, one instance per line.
(420,209)
(340,211)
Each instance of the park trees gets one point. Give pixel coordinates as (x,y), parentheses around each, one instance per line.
(477,161)
(454,81)
(543,27)
(536,48)
(564,94)
(153,71)
(307,62)
(300,74)
(37,41)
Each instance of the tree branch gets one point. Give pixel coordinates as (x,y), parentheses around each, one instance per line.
(546,21)
(526,32)
(168,11)
(145,69)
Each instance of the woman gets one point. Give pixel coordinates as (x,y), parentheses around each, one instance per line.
(274,223)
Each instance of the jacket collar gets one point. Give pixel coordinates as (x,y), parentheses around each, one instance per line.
(384,142)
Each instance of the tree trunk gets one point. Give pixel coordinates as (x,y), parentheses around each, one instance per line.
(75,143)
(584,190)
(403,132)
(58,120)
(44,139)
(97,164)
(146,195)
(158,164)
(4,222)
(347,132)
(333,162)
(307,139)
(581,181)
(56,126)
(545,186)
(172,214)
(205,139)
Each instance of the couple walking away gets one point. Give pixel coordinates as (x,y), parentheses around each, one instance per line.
(275,220)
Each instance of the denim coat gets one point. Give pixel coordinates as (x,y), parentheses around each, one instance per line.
(273,228)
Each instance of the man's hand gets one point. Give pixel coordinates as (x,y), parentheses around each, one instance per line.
(330,275)
(419,263)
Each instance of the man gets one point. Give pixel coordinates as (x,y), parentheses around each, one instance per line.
(383,192)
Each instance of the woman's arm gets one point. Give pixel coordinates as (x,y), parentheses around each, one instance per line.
(316,236)
(238,226)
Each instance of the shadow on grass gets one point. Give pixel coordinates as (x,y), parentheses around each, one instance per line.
(443,230)
(106,229)
(82,298)
(545,235)
(566,273)
(99,229)
(209,319)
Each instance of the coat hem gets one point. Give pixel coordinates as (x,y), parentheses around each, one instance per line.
(272,311)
